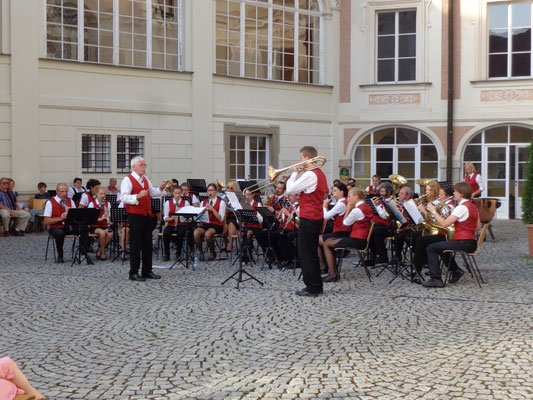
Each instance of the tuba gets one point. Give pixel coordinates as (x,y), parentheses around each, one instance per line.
(397,182)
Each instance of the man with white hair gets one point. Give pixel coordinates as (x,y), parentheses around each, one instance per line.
(135,192)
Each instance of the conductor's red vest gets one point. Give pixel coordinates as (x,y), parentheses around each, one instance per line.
(144,207)
(311,204)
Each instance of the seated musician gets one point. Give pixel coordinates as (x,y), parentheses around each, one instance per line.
(93,185)
(288,232)
(231,226)
(405,235)
(383,227)
(358,217)
(252,227)
(186,192)
(101,228)
(216,210)
(374,187)
(466,219)
(424,238)
(278,198)
(55,213)
(76,188)
(174,224)
(340,191)
(446,196)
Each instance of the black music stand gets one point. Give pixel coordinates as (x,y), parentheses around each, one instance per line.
(111,198)
(271,222)
(156,206)
(81,217)
(444,184)
(197,185)
(257,197)
(243,216)
(396,219)
(118,215)
(191,219)
(202,197)
(245,184)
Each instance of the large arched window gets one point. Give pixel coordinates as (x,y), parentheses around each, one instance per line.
(395,150)
(269,39)
(500,155)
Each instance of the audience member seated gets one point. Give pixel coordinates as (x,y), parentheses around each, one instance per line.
(10,209)
(112,188)
(177,225)
(41,195)
(13,382)
(55,214)
(216,210)
(93,185)
(77,188)
(100,229)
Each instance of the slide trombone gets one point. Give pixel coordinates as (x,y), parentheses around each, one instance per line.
(273,174)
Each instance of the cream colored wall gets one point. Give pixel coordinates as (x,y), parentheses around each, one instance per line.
(5,117)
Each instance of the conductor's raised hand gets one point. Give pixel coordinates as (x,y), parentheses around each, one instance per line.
(163,185)
(142,193)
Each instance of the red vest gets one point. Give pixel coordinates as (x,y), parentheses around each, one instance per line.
(312,204)
(361,228)
(253,225)
(99,224)
(378,220)
(338,226)
(57,210)
(277,203)
(144,207)
(467,229)
(373,190)
(212,219)
(172,210)
(288,225)
(472,182)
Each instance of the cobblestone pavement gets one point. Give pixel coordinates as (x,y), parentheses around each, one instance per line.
(89,333)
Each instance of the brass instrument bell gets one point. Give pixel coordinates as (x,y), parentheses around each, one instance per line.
(397,182)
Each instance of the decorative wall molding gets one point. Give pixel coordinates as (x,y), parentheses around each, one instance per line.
(428,4)
(335,4)
(387,99)
(507,95)
(364,4)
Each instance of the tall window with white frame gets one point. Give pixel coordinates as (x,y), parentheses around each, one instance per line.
(139,33)
(249,157)
(269,39)
(510,40)
(396,46)
(96,153)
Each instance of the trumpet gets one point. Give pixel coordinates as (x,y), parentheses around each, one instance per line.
(220,185)
(312,163)
(168,186)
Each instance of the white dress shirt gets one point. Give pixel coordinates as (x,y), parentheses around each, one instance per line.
(48,207)
(166,209)
(72,191)
(478,180)
(91,204)
(305,183)
(355,215)
(338,209)
(221,209)
(126,187)
(84,201)
(461,211)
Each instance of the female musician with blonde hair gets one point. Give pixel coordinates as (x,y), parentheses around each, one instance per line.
(358,216)
(101,227)
(231,226)
(216,210)
(473,179)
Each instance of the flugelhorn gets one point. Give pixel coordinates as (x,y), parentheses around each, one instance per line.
(220,185)
(168,186)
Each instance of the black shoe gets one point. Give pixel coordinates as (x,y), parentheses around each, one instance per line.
(456,275)
(151,275)
(304,292)
(166,258)
(89,260)
(137,278)
(331,278)
(60,260)
(436,283)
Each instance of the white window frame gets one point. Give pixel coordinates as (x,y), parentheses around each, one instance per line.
(247,155)
(80,45)
(396,44)
(93,136)
(127,165)
(271,6)
(509,43)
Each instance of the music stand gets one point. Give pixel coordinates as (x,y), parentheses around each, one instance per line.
(245,184)
(243,217)
(202,197)
(118,215)
(257,197)
(81,217)
(197,185)
(444,184)
(190,218)
(395,217)
(269,219)
(111,198)
(156,206)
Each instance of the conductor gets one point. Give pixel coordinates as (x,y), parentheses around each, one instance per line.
(312,187)
(135,192)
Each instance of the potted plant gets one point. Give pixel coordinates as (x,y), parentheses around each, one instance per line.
(527,200)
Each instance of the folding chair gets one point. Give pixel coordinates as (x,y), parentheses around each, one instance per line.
(469,259)
(340,254)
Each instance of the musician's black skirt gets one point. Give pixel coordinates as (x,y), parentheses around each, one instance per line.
(335,235)
(218,228)
(232,220)
(351,242)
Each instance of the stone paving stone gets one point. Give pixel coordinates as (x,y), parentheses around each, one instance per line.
(89,333)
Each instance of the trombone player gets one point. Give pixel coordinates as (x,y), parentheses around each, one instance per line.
(313,188)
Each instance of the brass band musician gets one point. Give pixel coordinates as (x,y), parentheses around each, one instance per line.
(174,224)
(383,227)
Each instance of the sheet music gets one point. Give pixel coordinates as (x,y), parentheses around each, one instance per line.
(233,200)
(191,210)
(413,212)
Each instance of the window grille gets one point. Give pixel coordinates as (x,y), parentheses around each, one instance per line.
(96,153)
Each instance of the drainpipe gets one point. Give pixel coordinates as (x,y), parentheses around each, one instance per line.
(449,129)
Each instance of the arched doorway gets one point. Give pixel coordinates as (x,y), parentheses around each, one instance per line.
(395,150)
(501,154)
